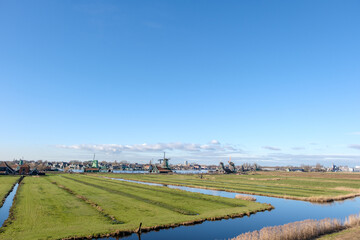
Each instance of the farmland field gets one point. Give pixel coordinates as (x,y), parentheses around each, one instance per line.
(317,187)
(6,183)
(68,205)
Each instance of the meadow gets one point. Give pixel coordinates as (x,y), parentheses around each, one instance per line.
(76,205)
(6,184)
(314,187)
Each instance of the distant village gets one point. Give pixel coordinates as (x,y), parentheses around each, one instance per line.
(39,167)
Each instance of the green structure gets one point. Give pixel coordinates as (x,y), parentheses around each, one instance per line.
(95,164)
(94,167)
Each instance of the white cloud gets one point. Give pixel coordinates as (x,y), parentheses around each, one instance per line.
(355,146)
(215,146)
(298,148)
(216,142)
(272,148)
(203,154)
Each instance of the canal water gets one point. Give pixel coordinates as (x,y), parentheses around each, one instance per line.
(285,211)
(5,209)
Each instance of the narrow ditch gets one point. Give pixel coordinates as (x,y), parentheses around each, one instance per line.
(8,201)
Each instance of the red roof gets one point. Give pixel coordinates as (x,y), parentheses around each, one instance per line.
(164,170)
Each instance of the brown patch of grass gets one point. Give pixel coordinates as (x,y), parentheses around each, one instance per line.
(348,189)
(331,199)
(246,198)
(265,179)
(334,175)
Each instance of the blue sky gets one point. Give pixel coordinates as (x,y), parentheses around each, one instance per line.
(272,82)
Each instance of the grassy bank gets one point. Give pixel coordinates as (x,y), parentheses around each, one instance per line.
(65,206)
(352,230)
(6,184)
(347,234)
(315,187)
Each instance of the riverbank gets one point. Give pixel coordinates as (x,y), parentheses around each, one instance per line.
(312,187)
(308,229)
(6,186)
(77,206)
(349,233)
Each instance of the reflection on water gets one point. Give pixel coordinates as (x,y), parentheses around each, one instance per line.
(5,209)
(285,211)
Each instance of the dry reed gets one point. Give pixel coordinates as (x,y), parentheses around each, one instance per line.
(352,221)
(243,197)
(302,230)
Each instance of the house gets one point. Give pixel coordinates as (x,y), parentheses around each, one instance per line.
(24,169)
(36,172)
(158,169)
(5,169)
(94,166)
(91,169)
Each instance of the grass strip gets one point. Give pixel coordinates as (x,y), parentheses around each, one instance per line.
(296,194)
(174,193)
(91,203)
(129,195)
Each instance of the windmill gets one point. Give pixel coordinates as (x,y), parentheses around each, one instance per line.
(95,163)
(165,162)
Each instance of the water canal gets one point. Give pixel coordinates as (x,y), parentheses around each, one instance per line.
(285,211)
(5,209)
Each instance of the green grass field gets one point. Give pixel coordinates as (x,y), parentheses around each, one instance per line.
(66,205)
(6,183)
(302,186)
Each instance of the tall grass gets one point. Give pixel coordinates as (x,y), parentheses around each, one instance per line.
(301,230)
(247,198)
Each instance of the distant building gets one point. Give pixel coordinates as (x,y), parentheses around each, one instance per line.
(5,169)
(91,170)
(94,166)
(163,167)
(24,169)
